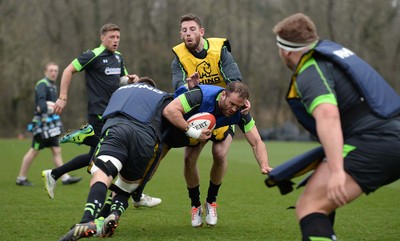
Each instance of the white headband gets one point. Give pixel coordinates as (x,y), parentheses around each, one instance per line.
(290,46)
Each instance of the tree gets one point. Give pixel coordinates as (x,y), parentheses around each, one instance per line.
(37,31)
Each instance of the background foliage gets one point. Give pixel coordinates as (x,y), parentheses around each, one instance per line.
(34,32)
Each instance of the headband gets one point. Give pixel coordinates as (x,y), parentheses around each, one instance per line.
(290,46)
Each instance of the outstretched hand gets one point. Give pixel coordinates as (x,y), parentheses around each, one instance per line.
(193,80)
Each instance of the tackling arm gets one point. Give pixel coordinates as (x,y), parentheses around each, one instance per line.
(173,112)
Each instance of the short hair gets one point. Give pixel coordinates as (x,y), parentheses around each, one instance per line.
(49,64)
(191,17)
(108,27)
(148,81)
(297,28)
(238,87)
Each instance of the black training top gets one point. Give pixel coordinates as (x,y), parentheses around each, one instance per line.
(325,82)
(45,90)
(103,70)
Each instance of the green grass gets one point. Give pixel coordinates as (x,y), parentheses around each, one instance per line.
(248,210)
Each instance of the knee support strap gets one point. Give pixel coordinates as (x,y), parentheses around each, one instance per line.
(125,186)
(108,164)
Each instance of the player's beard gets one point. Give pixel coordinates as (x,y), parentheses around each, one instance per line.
(193,45)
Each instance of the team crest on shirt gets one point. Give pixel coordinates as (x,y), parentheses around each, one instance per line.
(118,58)
(204,69)
(206,74)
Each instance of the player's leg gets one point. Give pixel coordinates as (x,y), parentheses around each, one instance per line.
(58,162)
(79,136)
(222,139)
(78,162)
(27,160)
(191,171)
(111,157)
(103,148)
(122,189)
(313,207)
(88,134)
(75,163)
(219,166)
(103,173)
(140,156)
(105,210)
(51,176)
(49,180)
(143,200)
(192,177)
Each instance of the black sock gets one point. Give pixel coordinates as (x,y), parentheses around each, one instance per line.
(119,203)
(194,195)
(91,141)
(316,225)
(331,217)
(105,211)
(212,192)
(137,194)
(94,203)
(76,163)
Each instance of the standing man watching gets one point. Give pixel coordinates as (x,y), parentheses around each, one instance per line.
(45,95)
(353,112)
(104,66)
(212,59)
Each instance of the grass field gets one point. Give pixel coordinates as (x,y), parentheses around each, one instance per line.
(248,210)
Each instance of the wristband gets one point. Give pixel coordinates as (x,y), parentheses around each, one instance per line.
(61,98)
(193,133)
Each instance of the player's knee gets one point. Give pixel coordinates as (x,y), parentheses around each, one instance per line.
(126,186)
(219,158)
(306,206)
(190,162)
(108,164)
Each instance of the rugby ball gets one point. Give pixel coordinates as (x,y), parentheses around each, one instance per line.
(203,120)
(123,80)
(50,107)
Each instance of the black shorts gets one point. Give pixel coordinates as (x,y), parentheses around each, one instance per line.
(135,147)
(176,138)
(39,144)
(375,161)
